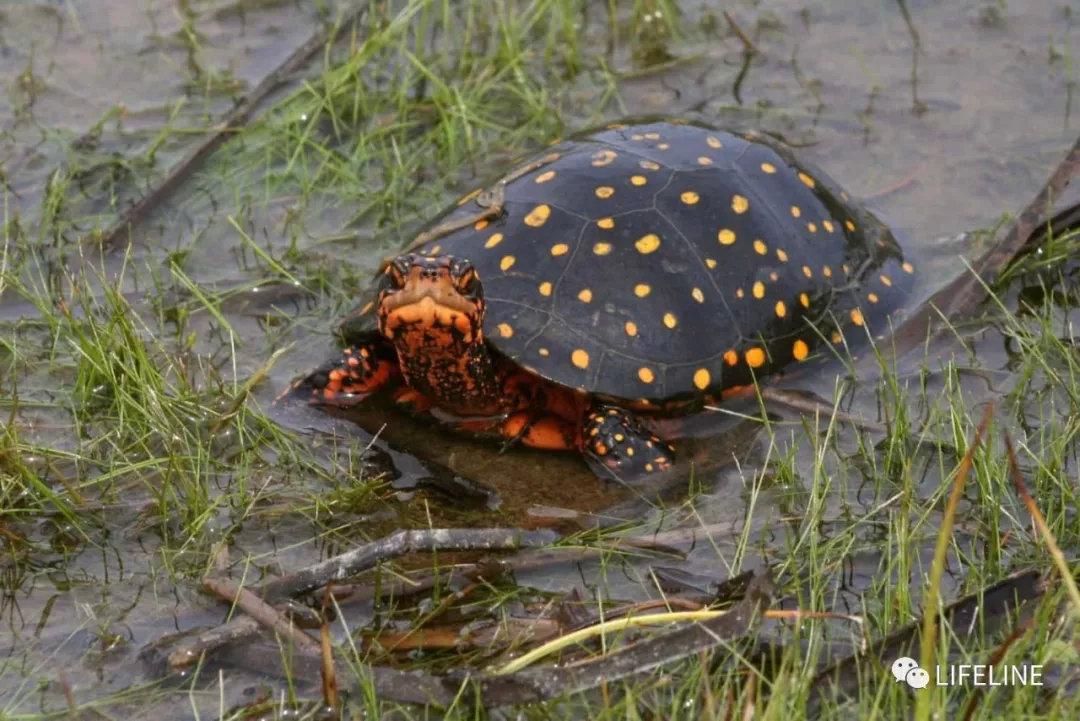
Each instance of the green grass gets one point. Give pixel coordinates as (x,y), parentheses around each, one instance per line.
(131,386)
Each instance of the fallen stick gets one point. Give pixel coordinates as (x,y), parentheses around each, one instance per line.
(259,610)
(543,683)
(234,121)
(1037,518)
(966,291)
(398,544)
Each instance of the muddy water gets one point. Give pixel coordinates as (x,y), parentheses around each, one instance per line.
(943,125)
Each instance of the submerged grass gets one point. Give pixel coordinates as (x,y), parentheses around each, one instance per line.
(142,418)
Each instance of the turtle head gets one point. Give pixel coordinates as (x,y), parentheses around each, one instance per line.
(435,299)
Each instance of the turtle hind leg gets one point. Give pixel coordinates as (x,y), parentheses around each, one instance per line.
(358,372)
(616,445)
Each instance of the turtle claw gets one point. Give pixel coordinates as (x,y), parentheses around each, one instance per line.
(348,380)
(616,445)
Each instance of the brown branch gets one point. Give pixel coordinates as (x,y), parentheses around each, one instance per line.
(748,45)
(233,122)
(1044,530)
(398,544)
(966,291)
(258,609)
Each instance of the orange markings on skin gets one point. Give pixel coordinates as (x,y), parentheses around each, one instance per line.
(548,432)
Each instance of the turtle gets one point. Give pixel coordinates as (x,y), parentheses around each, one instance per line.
(642,269)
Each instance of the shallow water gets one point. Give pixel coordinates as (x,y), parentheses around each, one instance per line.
(938,149)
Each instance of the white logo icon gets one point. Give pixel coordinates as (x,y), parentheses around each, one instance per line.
(907,670)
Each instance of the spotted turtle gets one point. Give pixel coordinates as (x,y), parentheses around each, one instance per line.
(642,269)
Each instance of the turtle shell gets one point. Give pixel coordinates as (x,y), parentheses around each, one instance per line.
(664,261)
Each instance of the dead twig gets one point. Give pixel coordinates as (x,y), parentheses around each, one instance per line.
(329,674)
(398,544)
(995,659)
(966,291)
(258,609)
(1044,530)
(538,684)
(233,122)
(748,45)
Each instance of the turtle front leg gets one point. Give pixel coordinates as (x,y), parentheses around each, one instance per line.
(616,445)
(360,371)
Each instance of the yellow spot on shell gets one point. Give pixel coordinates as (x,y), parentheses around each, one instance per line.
(580,358)
(545,177)
(795,211)
(652,136)
(872,297)
(739,204)
(505,330)
(804,300)
(702,379)
(760,247)
(731,358)
(885,279)
(755,357)
(768,168)
(758,289)
(849,225)
(603,157)
(781,255)
(711,262)
(647,243)
(806,180)
(857,317)
(781,309)
(807,271)
(669,320)
(543,351)
(662,146)
(704,160)
(828,225)
(642,289)
(630,328)
(836,337)
(645,375)
(601,248)
(908,267)
(698,295)
(604,192)
(480,224)
(812,227)
(638,180)
(507,262)
(774,276)
(605,223)
(585,296)
(494,240)
(826,271)
(714,142)
(544,288)
(799,350)
(689,197)
(726,236)
(649,165)
(560,249)
(538,216)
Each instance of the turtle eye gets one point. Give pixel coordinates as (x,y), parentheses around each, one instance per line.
(395,272)
(468,283)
